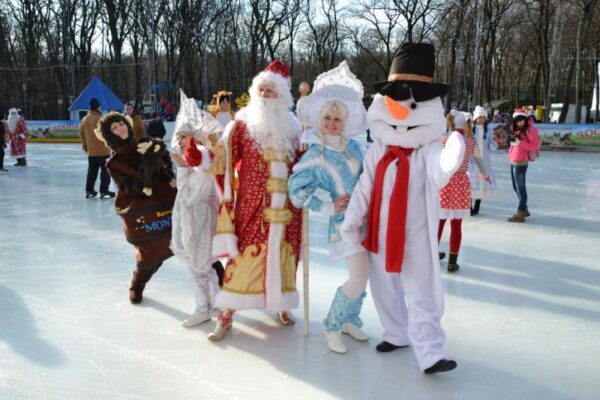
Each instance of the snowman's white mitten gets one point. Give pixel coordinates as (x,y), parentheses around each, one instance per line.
(452,155)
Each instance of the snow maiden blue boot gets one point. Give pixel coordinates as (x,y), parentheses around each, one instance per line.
(343,317)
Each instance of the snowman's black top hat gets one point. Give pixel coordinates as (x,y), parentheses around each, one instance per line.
(411,74)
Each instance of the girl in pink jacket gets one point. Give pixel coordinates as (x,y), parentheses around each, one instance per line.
(524,147)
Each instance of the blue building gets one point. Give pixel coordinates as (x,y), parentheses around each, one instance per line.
(98,89)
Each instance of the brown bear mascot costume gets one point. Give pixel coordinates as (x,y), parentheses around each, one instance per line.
(146,213)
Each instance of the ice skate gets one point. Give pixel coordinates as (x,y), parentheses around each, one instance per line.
(107,195)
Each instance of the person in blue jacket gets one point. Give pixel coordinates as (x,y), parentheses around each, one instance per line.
(324,179)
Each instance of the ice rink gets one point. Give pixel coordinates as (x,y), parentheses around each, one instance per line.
(522,314)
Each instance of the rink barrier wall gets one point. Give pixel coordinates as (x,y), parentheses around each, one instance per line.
(553,136)
(65,131)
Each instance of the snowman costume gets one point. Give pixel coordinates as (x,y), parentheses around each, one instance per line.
(406,119)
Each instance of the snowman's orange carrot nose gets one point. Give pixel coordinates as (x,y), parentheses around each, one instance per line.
(398,111)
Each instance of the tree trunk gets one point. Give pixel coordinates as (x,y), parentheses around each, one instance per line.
(566,93)
(582,32)
(451,67)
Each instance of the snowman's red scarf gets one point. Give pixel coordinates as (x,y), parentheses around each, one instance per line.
(396,223)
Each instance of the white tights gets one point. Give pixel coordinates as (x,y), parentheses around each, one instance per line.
(358,274)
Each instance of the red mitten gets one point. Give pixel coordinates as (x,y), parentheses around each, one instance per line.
(192,156)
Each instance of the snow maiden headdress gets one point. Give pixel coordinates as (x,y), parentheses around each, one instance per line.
(337,84)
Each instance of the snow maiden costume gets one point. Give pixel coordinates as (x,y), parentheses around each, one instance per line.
(485,144)
(395,204)
(333,164)
(195,209)
(146,218)
(258,230)
(455,197)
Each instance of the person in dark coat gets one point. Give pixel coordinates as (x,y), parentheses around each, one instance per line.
(156,127)
(146,219)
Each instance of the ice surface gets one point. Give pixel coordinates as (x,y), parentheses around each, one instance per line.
(522,314)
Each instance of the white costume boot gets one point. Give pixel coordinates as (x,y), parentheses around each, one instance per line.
(354,331)
(196,318)
(334,341)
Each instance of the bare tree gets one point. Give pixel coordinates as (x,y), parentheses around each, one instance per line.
(116,14)
(583,27)
(379,36)
(324,38)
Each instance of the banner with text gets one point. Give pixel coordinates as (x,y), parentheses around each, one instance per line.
(53,129)
(556,135)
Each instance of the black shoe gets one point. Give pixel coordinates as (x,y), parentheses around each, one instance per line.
(442,255)
(453,267)
(107,195)
(452,263)
(475,208)
(441,366)
(386,347)
(89,195)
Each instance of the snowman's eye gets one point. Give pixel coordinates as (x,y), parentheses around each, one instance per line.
(413,105)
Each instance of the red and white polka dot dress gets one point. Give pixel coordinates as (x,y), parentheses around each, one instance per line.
(455,197)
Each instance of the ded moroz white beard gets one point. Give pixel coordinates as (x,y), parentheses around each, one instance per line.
(270,124)
(12,121)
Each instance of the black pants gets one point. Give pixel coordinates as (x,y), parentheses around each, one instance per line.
(95,163)
(1,155)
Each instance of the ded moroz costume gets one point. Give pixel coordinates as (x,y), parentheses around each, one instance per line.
(17,134)
(258,230)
